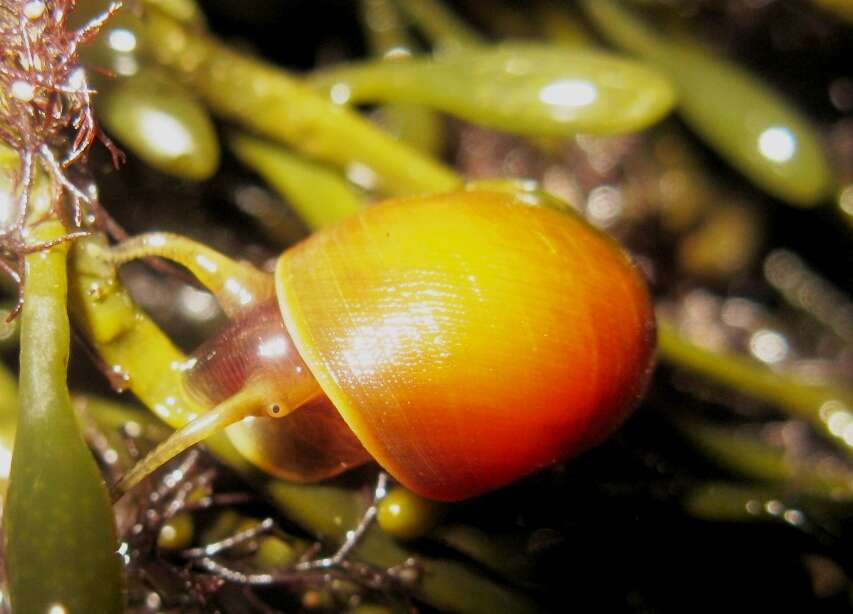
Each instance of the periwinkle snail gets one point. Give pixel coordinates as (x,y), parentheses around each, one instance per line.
(461,340)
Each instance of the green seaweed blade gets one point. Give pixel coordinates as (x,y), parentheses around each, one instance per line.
(60,532)
(755,128)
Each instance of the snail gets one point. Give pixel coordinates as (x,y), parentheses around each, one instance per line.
(461,340)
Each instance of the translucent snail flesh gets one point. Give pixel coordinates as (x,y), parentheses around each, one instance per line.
(461,340)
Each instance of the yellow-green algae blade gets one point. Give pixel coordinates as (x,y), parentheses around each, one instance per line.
(60,535)
(523,88)
(160,121)
(318,193)
(752,126)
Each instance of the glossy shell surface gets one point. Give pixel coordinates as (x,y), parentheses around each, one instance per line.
(469,339)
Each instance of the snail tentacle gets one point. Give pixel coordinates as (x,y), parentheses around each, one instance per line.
(248,402)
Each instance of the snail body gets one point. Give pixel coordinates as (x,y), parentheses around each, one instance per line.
(310,443)
(464,340)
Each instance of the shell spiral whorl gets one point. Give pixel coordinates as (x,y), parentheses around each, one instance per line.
(468,339)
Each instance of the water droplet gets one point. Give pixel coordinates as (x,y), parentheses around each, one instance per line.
(122,40)
(604,206)
(777,144)
(340,93)
(774,507)
(33,10)
(118,378)
(569,93)
(22,90)
(769,346)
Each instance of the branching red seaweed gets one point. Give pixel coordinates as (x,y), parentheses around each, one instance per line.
(46,116)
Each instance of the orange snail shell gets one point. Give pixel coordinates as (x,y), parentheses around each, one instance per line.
(467,339)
